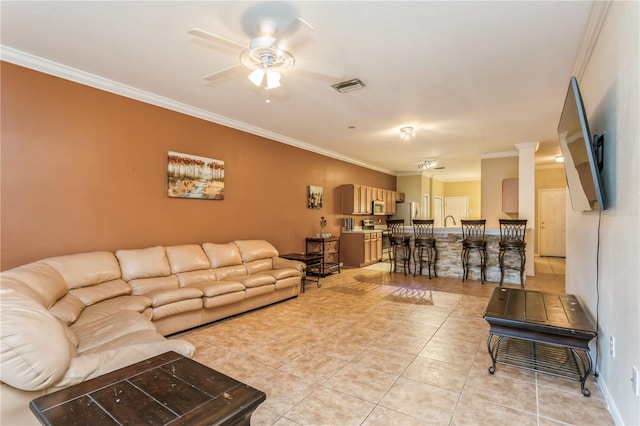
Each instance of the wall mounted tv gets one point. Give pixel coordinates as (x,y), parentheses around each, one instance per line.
(582,153)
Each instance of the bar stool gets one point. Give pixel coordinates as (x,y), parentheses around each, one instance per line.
(425,251)
(473,238)
(400,245)
(512,239)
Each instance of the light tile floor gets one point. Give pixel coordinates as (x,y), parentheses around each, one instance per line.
(374,348)
(550,265)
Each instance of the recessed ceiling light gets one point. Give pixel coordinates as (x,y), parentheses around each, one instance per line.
(406,132)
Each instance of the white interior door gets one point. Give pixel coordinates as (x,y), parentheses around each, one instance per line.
(551,214)
(458,207)
(438,212)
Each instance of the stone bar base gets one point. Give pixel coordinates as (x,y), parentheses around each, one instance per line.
(449,244)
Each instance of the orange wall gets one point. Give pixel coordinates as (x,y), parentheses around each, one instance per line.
(83,169)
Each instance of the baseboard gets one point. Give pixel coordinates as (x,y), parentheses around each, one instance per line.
(610,403)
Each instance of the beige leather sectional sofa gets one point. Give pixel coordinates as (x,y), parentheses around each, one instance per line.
(67,319)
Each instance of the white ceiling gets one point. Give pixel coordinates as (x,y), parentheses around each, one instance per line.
(473,78)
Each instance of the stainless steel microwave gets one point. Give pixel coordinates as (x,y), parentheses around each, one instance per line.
(377,207)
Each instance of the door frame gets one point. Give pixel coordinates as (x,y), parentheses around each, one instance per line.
(426,207)
(438,214)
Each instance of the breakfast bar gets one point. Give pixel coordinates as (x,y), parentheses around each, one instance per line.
(449,246)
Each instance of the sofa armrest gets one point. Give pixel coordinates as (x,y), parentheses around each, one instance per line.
(282,263)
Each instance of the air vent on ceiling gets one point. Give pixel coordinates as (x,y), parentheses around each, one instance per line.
(349,85)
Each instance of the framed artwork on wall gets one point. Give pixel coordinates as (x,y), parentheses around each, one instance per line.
(192,176)
(314,200)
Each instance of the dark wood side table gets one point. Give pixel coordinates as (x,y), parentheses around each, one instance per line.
(312,260)
(545,332)
(165,389)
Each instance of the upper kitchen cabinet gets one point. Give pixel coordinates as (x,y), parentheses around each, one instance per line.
(357,199)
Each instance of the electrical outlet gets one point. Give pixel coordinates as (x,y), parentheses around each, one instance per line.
(612,347)
(634,381)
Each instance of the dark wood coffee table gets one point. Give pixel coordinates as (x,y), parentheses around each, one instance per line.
(166,389)
(545,332)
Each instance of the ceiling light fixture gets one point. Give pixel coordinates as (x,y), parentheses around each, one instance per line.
(559,159)
(272,76)
(427,164)
(406,133)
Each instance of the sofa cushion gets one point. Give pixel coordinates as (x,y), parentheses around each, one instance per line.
(251,250)
(176,308)
(164,297)
(96,363)
(194,277)
(186,258)
(34,350)
(148,285)
(216,288)
(67,309)
(258,291)
(257,280)
(85,269)
(45,280)
(221,255)
(99,292)
(224,299)
(113,306)
(95,333)
(143,263)
(229,272)
(258,265)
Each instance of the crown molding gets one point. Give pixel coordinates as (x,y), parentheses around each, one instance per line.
(597,16)
(499,155)
(528,145)
(55,69)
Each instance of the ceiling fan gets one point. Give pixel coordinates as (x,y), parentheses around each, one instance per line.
(263,56)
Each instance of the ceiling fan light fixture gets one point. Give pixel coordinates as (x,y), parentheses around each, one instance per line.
(257,76)
(427,164)
(406,133)
(273,79)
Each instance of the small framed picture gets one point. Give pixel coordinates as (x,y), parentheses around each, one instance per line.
(314,200)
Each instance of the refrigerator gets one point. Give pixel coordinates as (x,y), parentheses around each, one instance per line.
(407,211)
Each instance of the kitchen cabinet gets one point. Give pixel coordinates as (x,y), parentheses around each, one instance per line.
(510,195)
(361,248)
(356,199)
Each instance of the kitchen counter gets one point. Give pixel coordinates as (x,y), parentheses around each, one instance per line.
(359,230)
(449,246)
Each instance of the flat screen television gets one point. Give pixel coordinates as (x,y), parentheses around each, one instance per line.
(582,153)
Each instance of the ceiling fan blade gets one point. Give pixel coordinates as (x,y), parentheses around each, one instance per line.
(219,74)
(287,42)
(216,38)
(319,70)
(293,27)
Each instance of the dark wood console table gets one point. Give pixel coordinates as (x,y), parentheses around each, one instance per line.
(165,389)
(549,333)
(329,248)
